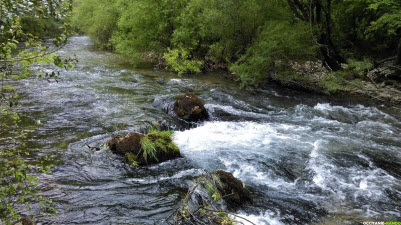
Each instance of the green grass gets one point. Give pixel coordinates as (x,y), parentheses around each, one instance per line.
(156,141)
(148,149)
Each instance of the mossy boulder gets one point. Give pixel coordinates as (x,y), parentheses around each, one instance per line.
(24,221)
(190,108)
(223,186)
(140,149)
(232,189)
(125,144)
(211,198)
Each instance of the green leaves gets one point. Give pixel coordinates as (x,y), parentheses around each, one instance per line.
(179,60)
(17,184)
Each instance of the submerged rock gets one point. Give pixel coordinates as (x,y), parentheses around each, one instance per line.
(190,108)
(140,149)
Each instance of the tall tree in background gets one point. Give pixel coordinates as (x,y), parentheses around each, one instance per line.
(318,14)
(398,61)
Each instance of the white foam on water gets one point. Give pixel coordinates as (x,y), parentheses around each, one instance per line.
(266,218)
(175,81)
(246,170)
(154,180)
(363,184)
(238,136)
(363,112)
(318,166)
(245,148)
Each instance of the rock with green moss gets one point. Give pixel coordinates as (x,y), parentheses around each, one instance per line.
(139,149)
(212,199)
(220,186)
(234,192)
(190,108)
(24,221)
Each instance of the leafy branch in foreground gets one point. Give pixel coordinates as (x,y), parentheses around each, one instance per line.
(18,185)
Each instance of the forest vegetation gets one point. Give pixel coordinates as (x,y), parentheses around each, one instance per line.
(289,41)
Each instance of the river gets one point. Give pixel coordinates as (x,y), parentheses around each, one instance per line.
(307,159)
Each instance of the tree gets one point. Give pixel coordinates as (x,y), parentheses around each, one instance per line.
(398,60)
(319,14)
(389,22)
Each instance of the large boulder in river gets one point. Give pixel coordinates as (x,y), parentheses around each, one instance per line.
(190,108)
(140,149)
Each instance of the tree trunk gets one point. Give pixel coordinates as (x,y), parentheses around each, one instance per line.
(332,47)
(331,58)
(329,55)
(318,13)
(398,60)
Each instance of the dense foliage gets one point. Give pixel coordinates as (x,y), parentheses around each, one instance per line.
(21,22)
(254,39)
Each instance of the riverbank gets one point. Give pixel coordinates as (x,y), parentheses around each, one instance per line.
(308,77)
(313,77)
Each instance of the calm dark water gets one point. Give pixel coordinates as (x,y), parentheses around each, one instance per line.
(307,159)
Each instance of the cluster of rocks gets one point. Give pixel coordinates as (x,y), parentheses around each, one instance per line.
(190,108)
(156,146)
(136,146)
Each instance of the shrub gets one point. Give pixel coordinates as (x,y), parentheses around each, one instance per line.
(41,27)
(277,43)
(146,26)
(359,69)
(179,60)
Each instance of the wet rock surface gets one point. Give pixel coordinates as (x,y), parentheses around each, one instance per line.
(190,108)
(233,191)
(24,221)
(125,144)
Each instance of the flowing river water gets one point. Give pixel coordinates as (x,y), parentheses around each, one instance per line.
(307,159)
